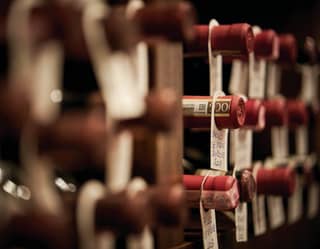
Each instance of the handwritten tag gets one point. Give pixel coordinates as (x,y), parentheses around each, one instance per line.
(258,208)
(256,87)
(307,83)
(313,200)
(219,140)
(279,140)
(241,214)
(276,211)
(295,203)
(243,148)
(301,135)
(208,223)
(259,215)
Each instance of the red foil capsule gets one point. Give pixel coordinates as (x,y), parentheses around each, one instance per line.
(266,45)
(276,112)
(255,114)
(219,192)
(229,111)
(297,113)
(235,39)
(276,181)
(246,184)
(288,49)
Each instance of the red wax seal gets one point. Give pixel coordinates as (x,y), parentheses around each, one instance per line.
(288,49)
(255,114)
(229,112)
(235,39)
(276,181)
(246,184)
(218,183)
(297,113)
(172,21)
(266,45)
(276,112)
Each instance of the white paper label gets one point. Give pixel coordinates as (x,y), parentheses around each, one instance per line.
(273,78)
(313,200)
(219,142)
(209,228)
(238,78)
(275,211)
(259,215)
(295,203)
(279,139)
(257,86)
(215,63)
(115,70)
(208,223)
(241,213)
(307,83)
(301,140)
(243,148)
(258,208)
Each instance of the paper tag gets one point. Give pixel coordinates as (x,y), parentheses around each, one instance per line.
(145,239)
(307,90)
(215,64)
(273,78)
(241,221)
(275,211)
(258,208)
(238,78)
(257,86)
(301,136)
(208,223)
(124,100)
(218,142)
(90,193)
(259,215)
(295,201)
(313,200)
(46,87)
(243,148)
(279,140)
(209,228)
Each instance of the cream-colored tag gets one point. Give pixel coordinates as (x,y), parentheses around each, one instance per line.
(209,226)
(218,143)
(90,193)
(243,148)
(280,142)
(295,201)
(313,200)
(257,86)
(215,63)
(258,208)
(112,68)
(238,78)
(273,78)
(241,220)
(274,204)
(275,211)
(145,239)
(301,136)
(307,90)
(47,94)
